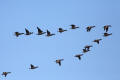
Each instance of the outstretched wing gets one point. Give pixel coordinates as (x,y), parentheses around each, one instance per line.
(79,57)
(48,32)
(27,32)
(59,63)
(99,39)
(104,28)
(97,42)
(61,59)
(39,30)
(8,72)
(31,65)
(92,26)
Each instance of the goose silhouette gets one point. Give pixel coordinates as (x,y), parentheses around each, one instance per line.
(17,34)
(106,27)
(73,26)
(87,47)
(59,61)
(5,73)
(78,56)
(61,30)
(33,67)
(49,33)
(107,34)
(89,28)
(85,50)
(40,32)
(97,41)
(28,32)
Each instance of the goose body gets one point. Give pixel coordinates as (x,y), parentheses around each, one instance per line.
(97,41)
(107,34)
(106,27)
(89,28)
(17,34)
(61,30)
(40,32)
(78,56)
(33,67)
(5,73)
(59,61)
(49,33)
(73,26)
(28,32)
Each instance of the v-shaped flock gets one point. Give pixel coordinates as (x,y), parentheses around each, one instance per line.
(61,30)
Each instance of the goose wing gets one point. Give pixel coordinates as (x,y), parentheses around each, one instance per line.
(39,30)
(27,32)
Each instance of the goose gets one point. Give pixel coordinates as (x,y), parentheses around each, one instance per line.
(84,50)
(106,27)
(5,73)
(78,56)
(49,34)
(28,32)
(97,41)
(17,34)
(40,32)
(107,34)
(59,61)
(73,26)
(87,47)
(61,30)
(89,28)
(33,67)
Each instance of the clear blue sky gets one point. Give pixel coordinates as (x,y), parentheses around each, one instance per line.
(16,54)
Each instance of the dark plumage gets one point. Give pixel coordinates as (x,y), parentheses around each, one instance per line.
(28,32)
(97,41)
(106,27)
(107,34)
(87,47)
(89,28)
(49,34)
(17,34)
(40,32)
(85,50)
(61,30)
(33,67)
(79,56)
(73,26)
(5,73)
(59,61)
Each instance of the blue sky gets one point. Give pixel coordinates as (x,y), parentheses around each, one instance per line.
(101,63)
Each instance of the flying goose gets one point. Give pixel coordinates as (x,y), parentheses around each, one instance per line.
(89,28)
(107,34)
(33,67)
(59,61)
(5,73)
(85,50)
(73,26)
(87,47)
(78,56)
(97,41)
(49,34)
(17,34)
(106,27)
(40,32)
(28,32)
(61,30)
